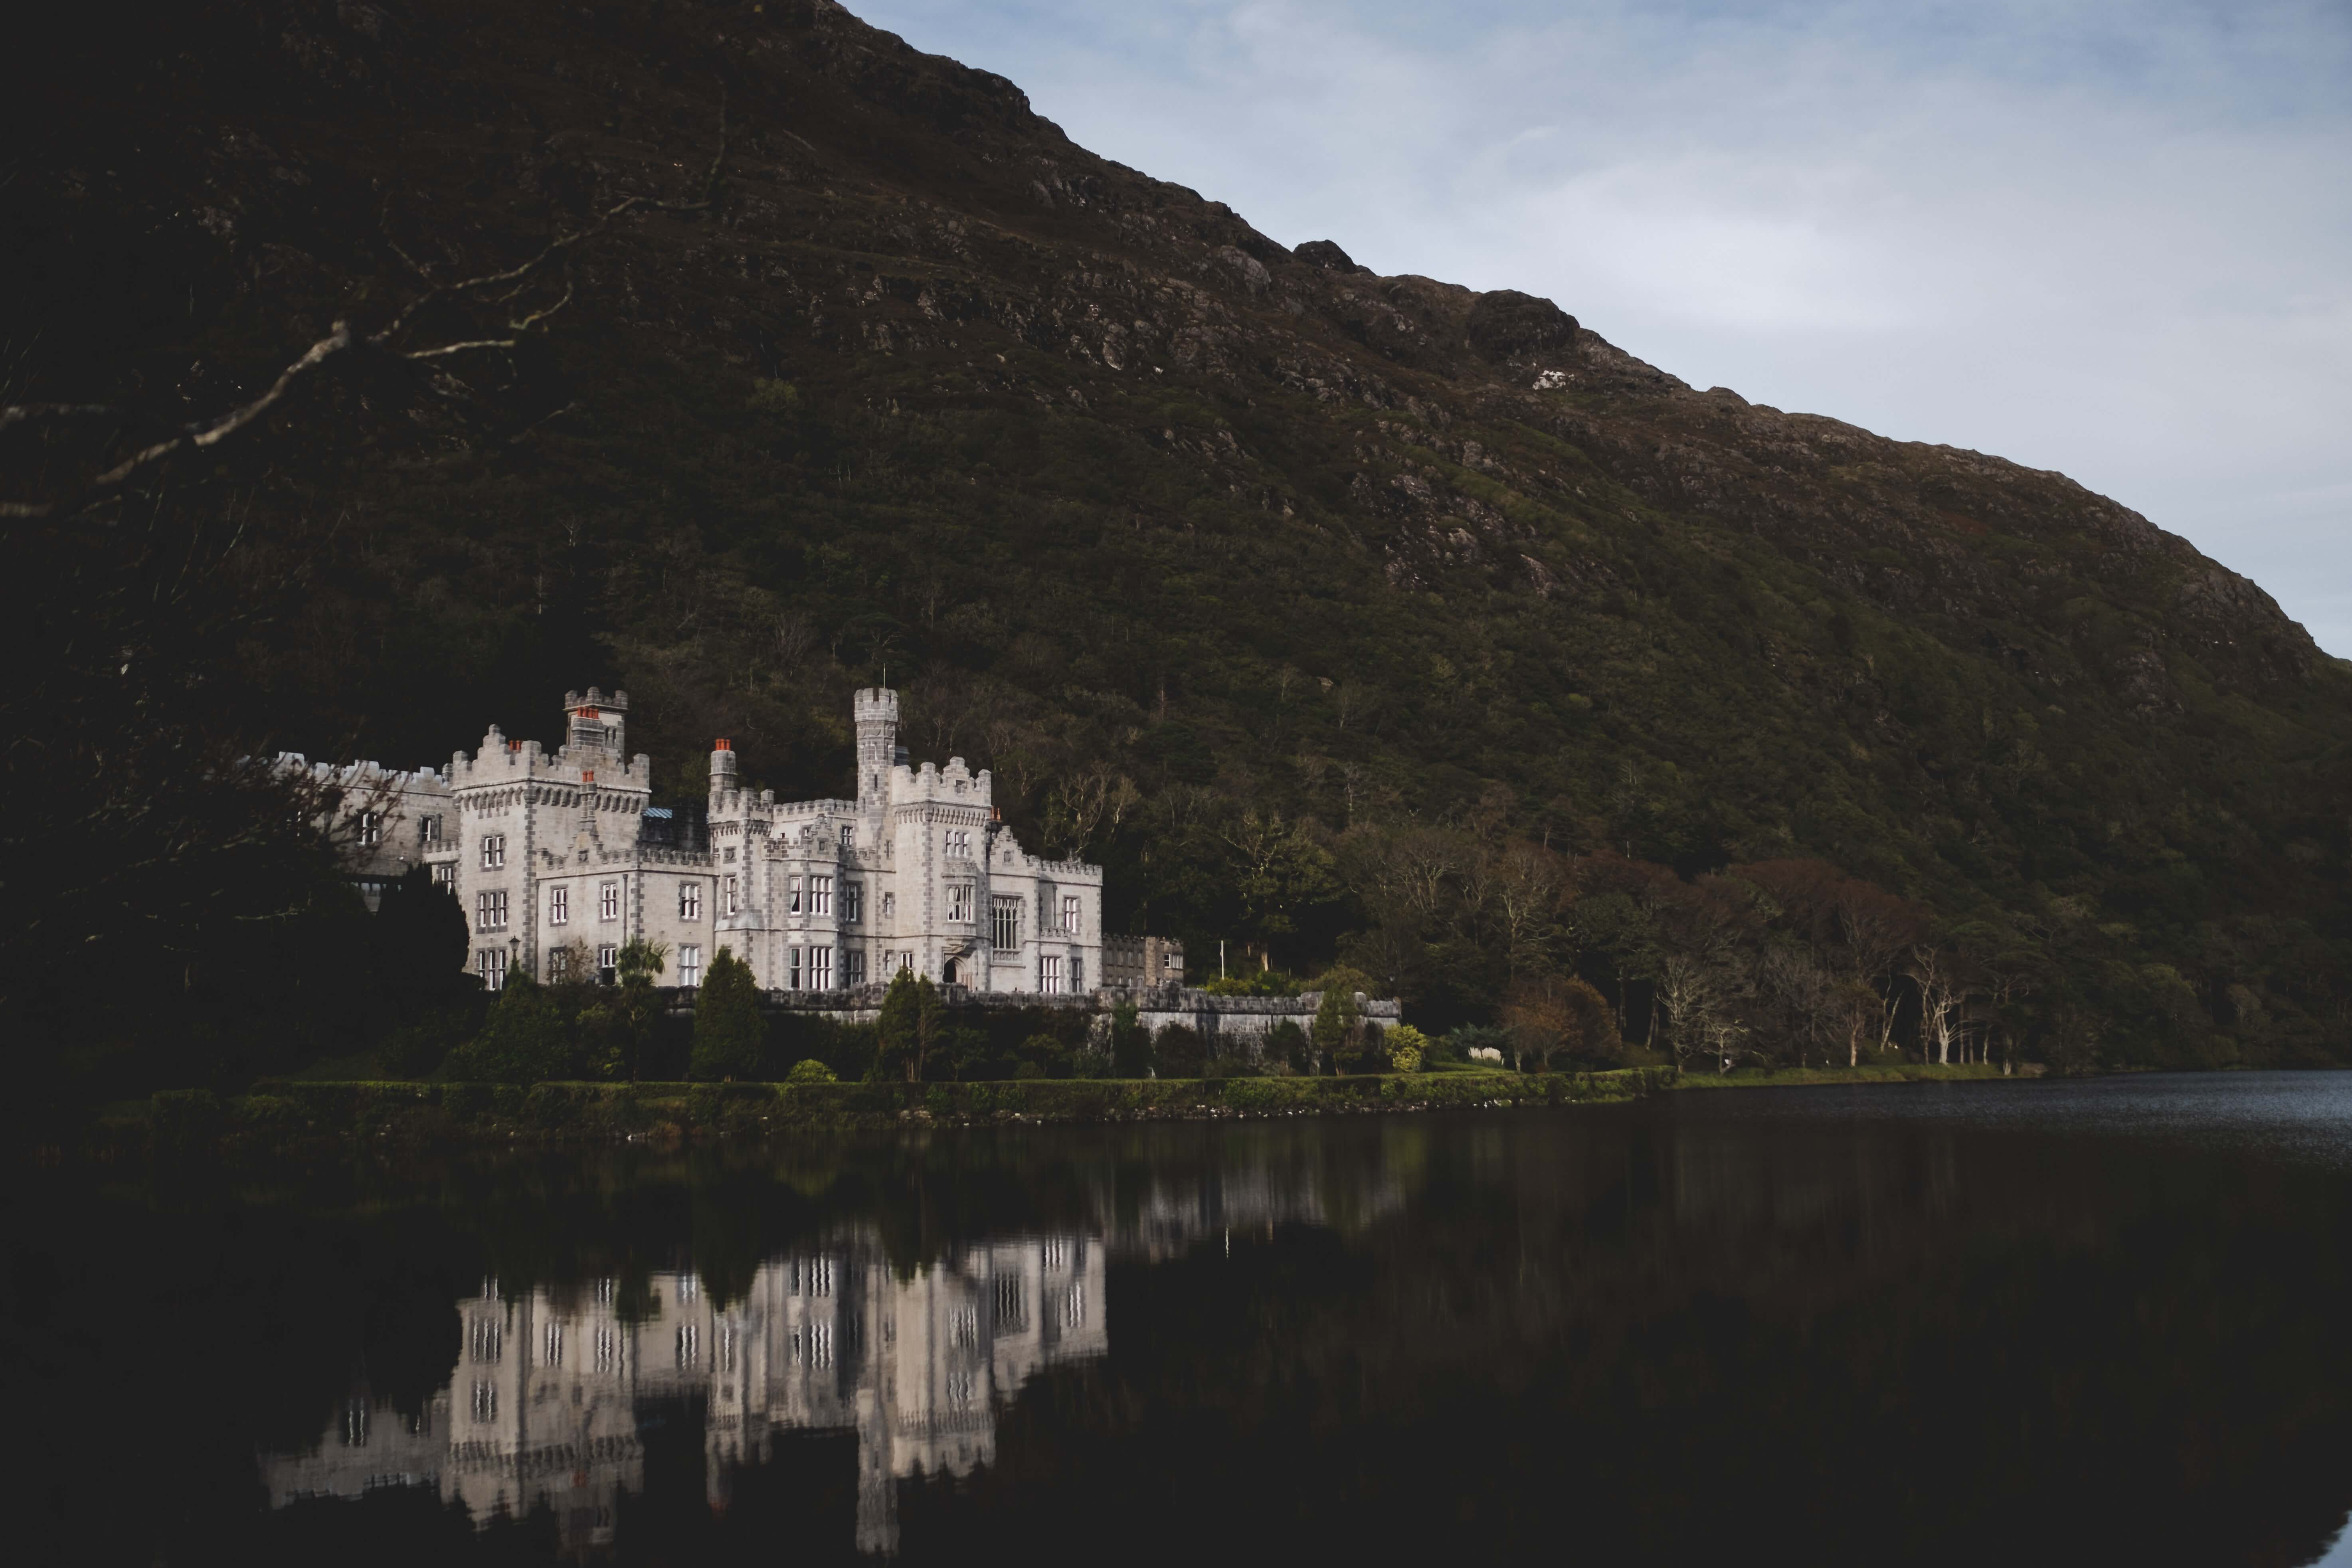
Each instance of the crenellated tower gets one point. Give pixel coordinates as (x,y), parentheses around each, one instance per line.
(875,711)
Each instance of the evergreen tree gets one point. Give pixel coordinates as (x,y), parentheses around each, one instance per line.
(912,1027)
(728,1030)
(1338,1019)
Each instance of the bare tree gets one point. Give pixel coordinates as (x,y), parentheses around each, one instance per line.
(1944,995)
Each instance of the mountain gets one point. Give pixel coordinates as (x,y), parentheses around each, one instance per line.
(1217,551)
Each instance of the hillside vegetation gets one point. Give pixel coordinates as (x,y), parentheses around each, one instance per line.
(1339,614)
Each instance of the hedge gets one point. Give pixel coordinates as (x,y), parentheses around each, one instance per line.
(280,1110)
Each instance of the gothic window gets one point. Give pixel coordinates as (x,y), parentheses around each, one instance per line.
(820,969)
(486,1400)
(689,900)
(1006,923)
(734,905)
(494,851)
(559,963)
(852,902)
(1070,913)
(490,910)
(689,1345)
(608,1348)
(1077,974)
(1049,975)
(959,843)
(371,829)
(550,1346)
(889,905)
(690,966)
(608,964)
(444,875)
(792,894)
(428,829)
(820,895)
(484,1341)
(559,905)
(608,901)
(792,967)
(848,837)
(853,965)
(960,903)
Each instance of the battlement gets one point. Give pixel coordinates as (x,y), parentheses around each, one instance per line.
(369,774)
(954,785)
(874,705)
(502,762)
(616,701)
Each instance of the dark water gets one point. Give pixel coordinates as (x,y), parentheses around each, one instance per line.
(2104,1322)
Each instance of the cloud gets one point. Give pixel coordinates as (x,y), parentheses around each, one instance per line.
(2114,239)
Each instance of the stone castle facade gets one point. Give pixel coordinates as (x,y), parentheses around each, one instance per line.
(560,858)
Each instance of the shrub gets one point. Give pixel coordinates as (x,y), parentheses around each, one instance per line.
(186,1116)
(1044,1054)
(273,1112)
(523,1041)
(1408,1048)
(808,1069)
(1287,1044)
(1179,1052)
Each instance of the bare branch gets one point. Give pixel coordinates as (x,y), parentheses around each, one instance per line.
(459,348)
(525,323)
(199,435)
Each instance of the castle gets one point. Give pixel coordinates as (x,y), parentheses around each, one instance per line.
(560,859)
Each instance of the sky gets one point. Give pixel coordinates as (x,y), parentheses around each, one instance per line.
(2112,239)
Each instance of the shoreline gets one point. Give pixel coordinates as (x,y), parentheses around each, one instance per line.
(1902,1072)
(283,1113)
(286,1114)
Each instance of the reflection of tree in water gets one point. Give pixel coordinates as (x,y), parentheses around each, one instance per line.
(1674,1343)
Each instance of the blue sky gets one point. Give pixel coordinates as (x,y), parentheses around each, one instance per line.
(2112,239)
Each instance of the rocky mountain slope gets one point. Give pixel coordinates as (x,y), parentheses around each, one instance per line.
(1168,524)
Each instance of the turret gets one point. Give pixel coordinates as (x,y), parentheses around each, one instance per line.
(875,710)
(595,723)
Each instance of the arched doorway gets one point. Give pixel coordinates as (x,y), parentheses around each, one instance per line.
(947,971)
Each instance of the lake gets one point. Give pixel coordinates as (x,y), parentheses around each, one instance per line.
(2101,1321)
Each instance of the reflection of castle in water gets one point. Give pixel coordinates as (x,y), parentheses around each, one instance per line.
(551,1391)
(544,1404)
